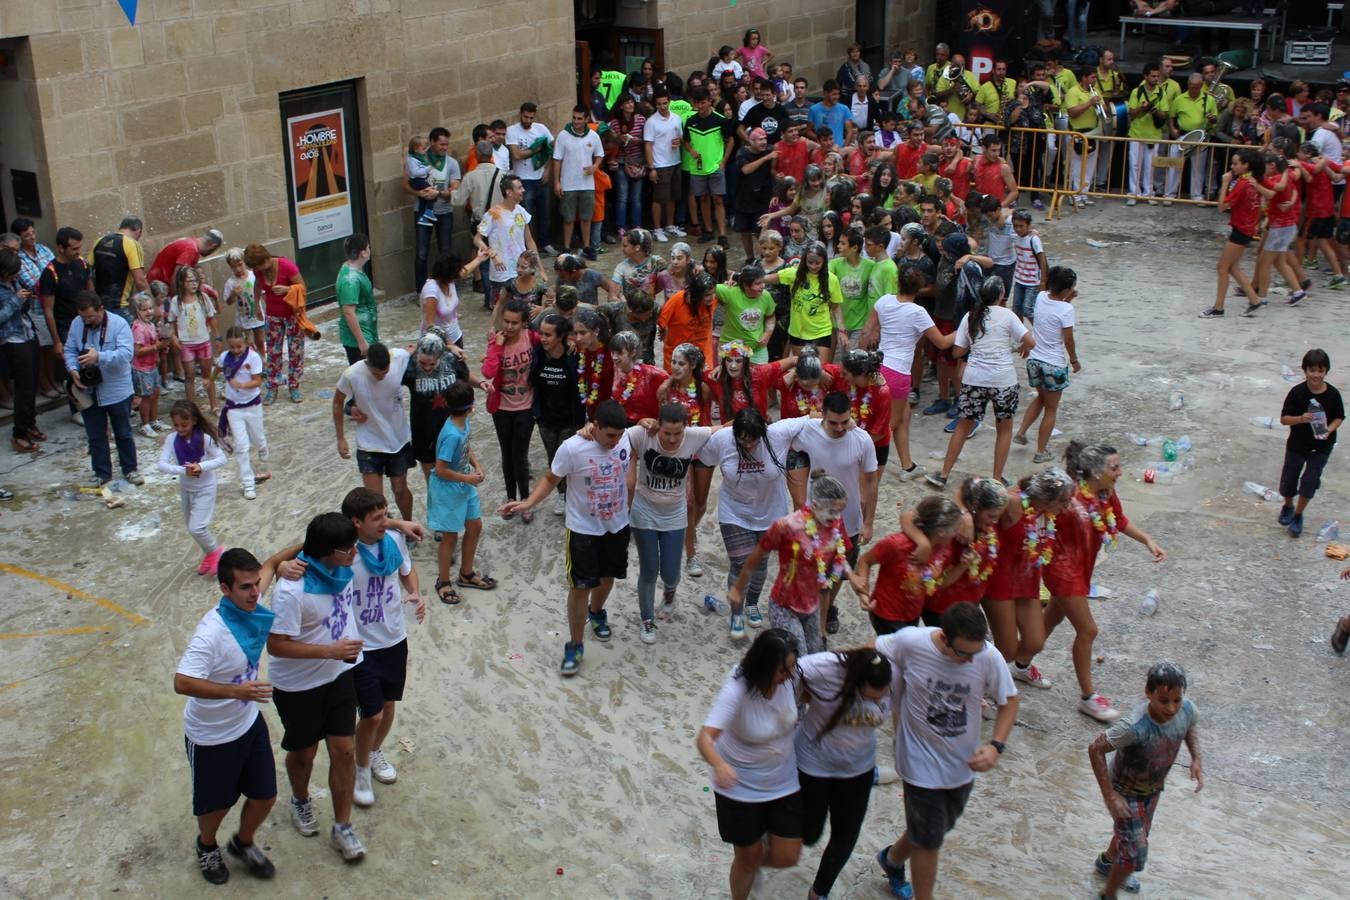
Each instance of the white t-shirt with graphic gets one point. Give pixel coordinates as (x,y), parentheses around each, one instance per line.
(939,701)
(214,655)
(386,428)
(756,739)
(597,484)
(850,747)
(753,489)
(659,501)
(504,230)
(247,313)
(519,137)
(311,619)
(846,458)
(377,600)
(189,319)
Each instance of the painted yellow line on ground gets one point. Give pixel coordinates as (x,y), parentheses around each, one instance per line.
(75,592)
(51,632)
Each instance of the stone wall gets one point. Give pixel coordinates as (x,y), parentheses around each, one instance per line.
(177,119)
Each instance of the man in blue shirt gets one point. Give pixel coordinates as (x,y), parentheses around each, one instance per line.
(832,113)
(98,353)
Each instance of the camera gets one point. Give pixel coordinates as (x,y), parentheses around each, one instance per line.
(91,375)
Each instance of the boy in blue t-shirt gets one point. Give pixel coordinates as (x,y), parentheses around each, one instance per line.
(1146,743)
(452,497)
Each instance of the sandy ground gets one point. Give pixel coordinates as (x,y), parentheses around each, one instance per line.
(516,783)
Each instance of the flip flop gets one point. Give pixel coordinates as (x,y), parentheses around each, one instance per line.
(263,476)
(447,593)
(476,581)
(24,445)
(35,435)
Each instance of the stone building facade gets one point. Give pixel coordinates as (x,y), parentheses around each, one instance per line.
(180,118)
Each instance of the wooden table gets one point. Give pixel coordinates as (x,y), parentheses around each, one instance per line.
(1235,24)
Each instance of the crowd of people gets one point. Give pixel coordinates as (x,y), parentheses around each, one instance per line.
(888,262)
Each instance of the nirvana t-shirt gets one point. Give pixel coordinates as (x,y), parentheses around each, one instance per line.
(659,499)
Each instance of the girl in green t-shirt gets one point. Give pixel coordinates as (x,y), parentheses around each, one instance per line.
(815,299)
(749,314)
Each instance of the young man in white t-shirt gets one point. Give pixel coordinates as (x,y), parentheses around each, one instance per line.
(1050,360)
(383,435)
(504,233)
(941,675)
(521,139)
(228,746)
(662,138)
(847,453)
(576,154)
(314,645)
(596,470)
(383,579)
(242,368)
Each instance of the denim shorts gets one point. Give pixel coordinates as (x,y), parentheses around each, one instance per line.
(1024,300)
(145,384)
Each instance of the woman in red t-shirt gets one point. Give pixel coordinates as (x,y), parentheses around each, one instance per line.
(1282,214)
(1026,541)
(1090,522)
(812,545)
(595,362)
(802,392)
(737,383)
(273,277)
(635,383)
(1320,228)
(975,550)
(1241,194)
(910,565)
(869,400)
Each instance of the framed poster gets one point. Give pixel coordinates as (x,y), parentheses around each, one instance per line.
(318,157)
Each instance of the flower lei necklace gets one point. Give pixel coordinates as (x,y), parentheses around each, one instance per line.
(979,566)
(1102,515)
(924,579)
(807,403)
(630,384)
(1040,545)
(590,396)
(826,576)
(688,398)
(862,407)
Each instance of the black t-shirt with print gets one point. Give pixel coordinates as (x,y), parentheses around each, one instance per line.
(1301,439)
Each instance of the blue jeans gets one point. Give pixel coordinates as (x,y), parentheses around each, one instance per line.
(1024,300)
(536,201)
(444,227)
(661,551)
(629,212)
(1078,22)
(96,419)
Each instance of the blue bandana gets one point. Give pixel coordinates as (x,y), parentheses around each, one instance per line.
(250,629)
(319,579)
(389,559)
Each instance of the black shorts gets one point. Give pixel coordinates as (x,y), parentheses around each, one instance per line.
(798,459)
(746,222)
(888,626)
(379,677)
(593,557)
(1239,238)
(223,772)
(1343,232)
(328,710)
(852,554)
(932,812)
(743,824)
(1323,227)
(388,465)
(353,354)
(424,437)
(883,453)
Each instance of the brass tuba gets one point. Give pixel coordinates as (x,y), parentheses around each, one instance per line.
(954,73)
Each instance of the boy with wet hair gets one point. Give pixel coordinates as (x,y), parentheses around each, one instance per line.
(1146,743)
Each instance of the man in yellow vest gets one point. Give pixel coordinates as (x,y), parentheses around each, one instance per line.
(1148,118)
(1189,111)
(959,92)
(1080,104)
(941,53)
(995,94)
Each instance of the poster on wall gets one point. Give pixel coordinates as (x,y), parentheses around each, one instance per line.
(994,29)
(323,210)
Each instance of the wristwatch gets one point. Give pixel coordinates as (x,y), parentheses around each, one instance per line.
(998,745)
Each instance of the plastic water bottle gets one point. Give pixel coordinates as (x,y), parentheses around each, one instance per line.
(1138,439)
(1169,450)
(1184,443)
(713,606)
(1263,421)
(1260,490)
(1149,605)
(1188,463)
(1329,531)
(1178,401)
(1319,418)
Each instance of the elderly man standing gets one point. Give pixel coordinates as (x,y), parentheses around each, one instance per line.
(1193,109)
(186,251)
(98,352)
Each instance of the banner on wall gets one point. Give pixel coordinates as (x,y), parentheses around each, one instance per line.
(993,29)
(318,148)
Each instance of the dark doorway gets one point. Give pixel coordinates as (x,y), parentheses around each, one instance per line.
(870,31)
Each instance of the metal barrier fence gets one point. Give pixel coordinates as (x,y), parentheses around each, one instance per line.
(1063,164)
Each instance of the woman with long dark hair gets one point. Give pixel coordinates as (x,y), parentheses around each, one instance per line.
(687,387)
(687,318)
(847,698)
(869,400)
(558,408)
(738,383)
(815,300)
(747,741)
(595,363)
(510,354)
(627,124)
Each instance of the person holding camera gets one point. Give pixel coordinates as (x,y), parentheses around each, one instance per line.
(1026,150)
(97,352)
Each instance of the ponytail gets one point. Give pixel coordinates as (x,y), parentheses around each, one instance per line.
(989,294)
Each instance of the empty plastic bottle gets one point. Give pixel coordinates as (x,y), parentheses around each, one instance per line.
(1260,490)
(1138,439)
(1319,418)
(1184,443)
(1263,421)
(1178,401)
(1188,462)
(1169,450)
(712,605)
(1329,531)
(1149,605)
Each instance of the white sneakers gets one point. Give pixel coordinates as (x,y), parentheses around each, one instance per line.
(1099,708)
(559,504)
(648,632)
(303,818)
(912,473)
(345,841)
(659,234)
(363,794)
(694,567)
(382,768)
(1030,675)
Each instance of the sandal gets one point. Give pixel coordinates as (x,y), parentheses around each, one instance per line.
(476,581)
(35,435)
(24,445)
(447,593)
